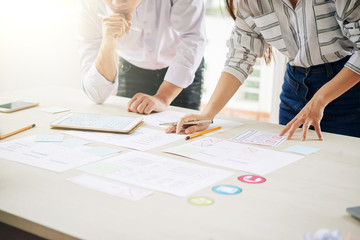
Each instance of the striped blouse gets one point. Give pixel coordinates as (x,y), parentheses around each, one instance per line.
(315,32)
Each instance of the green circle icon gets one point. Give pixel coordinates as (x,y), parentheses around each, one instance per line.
(201,201)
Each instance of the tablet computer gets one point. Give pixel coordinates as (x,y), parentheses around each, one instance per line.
(98,122)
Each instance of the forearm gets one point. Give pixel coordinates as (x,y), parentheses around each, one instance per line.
(312,112)
(106,63)
(167,92)
(342,82)
(225,89)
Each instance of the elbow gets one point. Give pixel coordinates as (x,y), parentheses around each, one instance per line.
(93,95)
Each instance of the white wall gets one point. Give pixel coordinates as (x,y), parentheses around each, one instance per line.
(38,45)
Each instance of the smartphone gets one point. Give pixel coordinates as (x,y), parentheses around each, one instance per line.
(354,211)
(15,106)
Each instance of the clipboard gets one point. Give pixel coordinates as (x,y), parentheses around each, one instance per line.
(98,122)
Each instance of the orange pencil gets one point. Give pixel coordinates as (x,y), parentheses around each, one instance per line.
(16,131)
(201,133)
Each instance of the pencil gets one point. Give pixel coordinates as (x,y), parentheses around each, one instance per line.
(17,131)
(201,133)
(189,123)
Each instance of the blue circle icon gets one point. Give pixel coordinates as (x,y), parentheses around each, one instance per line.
(227,189)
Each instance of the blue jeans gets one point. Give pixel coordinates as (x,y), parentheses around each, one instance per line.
(133,79)
(341,116)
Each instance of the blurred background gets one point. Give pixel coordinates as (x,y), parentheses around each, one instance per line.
(38,47)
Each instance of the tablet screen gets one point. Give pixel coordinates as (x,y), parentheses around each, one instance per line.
(17,104)
(97,122)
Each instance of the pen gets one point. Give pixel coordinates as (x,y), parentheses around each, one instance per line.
(131,28)
(201,133)
(16,131)
(201,122)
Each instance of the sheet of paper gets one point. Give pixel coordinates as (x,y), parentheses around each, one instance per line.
(142,139)
(155,119)
(49,138)
(103,151)
(234,155)
(301,149)
(47,155)
(224,124)
(73,142)
(110,187)
(157,173)
(259,137)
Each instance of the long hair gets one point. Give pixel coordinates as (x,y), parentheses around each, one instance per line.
(230,7)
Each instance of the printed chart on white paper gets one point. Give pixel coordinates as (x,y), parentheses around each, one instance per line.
(157,173)
(57,157)
(142,139)
(234,155)
(259,137)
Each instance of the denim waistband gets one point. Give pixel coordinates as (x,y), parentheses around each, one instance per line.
(329,68)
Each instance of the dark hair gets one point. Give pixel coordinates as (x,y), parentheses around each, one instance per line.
(230,7)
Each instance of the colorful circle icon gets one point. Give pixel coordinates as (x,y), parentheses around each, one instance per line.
(252,179)
(227,189)
(201,201)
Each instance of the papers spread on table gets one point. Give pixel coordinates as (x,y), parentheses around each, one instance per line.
(110,187)
(142,139)
(157,173)
(234,155)
(259,137)
(155,119)
(53,156)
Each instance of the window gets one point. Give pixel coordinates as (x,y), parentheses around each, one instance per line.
(256,99)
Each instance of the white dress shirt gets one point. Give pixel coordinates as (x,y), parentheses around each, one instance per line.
(172,34)
(315,32)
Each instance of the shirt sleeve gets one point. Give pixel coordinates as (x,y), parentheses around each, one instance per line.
(348,17)
(89,28)
(245,45)
(188,19)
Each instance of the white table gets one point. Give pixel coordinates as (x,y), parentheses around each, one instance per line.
(302,197)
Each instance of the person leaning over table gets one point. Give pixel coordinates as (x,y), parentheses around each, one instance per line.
(321,86)
(160,43)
